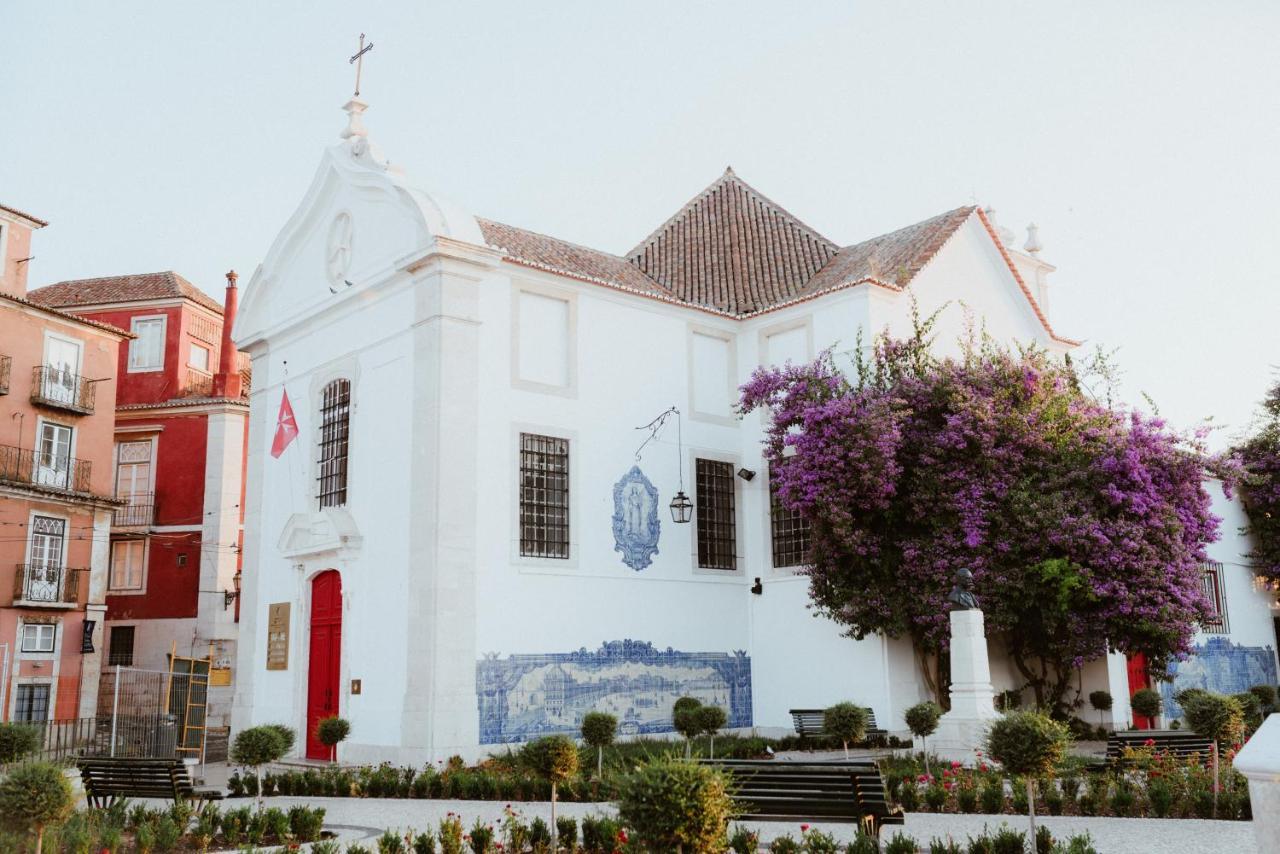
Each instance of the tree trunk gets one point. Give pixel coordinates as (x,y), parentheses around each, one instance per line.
(39,838)
(257,770)
(1031,809)
(553,815)
(846,749)
(713,746)
(1215,779)
(927,673)
(600,762)
(688,748)
(924,744)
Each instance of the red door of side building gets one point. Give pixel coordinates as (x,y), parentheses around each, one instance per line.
(325,656)
(1138,679)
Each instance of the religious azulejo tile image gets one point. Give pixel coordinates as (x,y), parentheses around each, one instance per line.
(524,696)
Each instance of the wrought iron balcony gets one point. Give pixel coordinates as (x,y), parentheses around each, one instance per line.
(139,512)
(46,584)
(6,363)
(29,467)
(55,387)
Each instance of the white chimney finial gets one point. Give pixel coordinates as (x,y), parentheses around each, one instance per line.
(1033,244)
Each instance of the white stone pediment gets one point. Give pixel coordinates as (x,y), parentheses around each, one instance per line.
(358,220)
(321,531)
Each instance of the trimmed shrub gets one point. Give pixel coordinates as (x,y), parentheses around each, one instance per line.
(845,722)
(922,720)
(1217,718)
(1101,702)
(711,719)
(17,740)
(33,797)
(331,732)
(672,805)
(1028,744)
(1266,695)
(685,720)
(1251,707)
(256,746)
(1146,703)
(599,730)
(554,758)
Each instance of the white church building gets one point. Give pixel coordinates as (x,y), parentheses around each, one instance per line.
(463,546)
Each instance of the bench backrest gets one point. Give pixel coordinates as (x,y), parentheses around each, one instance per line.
(809,721)
(815,790)
(1180,744)
(138,778)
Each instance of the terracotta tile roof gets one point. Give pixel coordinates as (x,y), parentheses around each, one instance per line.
(128,288)
(733,249)
(105,327)
(39,222)
(890,259)
(558,256)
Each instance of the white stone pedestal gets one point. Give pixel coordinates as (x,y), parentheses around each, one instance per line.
(1259,762)
(962,731)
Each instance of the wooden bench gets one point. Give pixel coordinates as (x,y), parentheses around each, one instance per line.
(774,790)
(106,779)
(1178,743)
(808,723)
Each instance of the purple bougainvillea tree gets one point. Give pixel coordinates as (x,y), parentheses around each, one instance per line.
(1260,487)
(1084,524)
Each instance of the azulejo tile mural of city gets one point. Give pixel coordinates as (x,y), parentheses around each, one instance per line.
(1221,666)
(524,696)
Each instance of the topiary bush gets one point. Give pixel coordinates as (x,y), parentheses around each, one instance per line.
(331,732)
(684,718)
(1251,706)
(673,805)
(599,730)
(845,722)
(258,746)
(1101,702)
(1266,695)
(1028,744)
(922,720)
(33,797)
(554,758)
(711,719)
(17,741)
(1146,703)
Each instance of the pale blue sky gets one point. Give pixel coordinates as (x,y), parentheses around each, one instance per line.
(1143,137)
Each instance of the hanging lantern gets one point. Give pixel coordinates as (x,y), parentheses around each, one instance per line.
(681,508)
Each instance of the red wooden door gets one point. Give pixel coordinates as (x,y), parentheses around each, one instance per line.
(1137,681)
(325,656)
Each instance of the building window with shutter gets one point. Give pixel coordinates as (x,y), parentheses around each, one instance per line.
(335,426)
(1214,592)
(146,351)
(544,496)
(717,523)
(790,532)
(127,562)
(120,649)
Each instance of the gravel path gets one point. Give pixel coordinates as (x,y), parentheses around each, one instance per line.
(1110,835)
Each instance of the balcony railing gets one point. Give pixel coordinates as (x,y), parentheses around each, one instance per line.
(6,364)
(27,466)
(52,386)
(138,513)
(46,584)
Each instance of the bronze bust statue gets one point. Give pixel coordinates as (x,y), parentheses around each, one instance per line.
(962,597)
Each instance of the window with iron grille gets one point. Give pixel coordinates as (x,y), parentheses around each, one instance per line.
(790,532)
(120,649)
(1212,581)
(544,496)
(717,526)
(335,419)
(31,703)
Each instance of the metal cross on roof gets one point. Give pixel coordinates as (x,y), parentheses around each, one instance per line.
(358,60)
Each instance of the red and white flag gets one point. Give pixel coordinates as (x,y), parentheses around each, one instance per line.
(286,427)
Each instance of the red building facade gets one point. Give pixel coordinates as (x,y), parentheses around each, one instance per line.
(179,460)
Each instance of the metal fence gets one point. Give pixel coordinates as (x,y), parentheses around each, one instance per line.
(146,713)
(60,741)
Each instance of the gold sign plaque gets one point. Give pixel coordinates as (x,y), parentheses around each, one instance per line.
(278,636)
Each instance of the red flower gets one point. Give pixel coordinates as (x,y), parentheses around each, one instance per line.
(804,828)
(622,836)
(1150,742)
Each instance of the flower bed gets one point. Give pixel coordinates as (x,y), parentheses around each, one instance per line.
(1152,785)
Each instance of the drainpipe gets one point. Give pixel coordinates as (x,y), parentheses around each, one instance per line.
(226,383)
